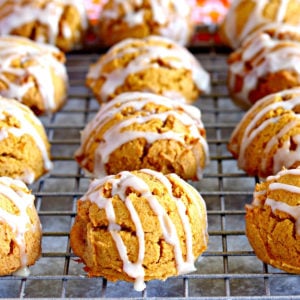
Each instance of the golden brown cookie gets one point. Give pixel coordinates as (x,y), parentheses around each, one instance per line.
(138,226)
(143,130)
(153,64)
(20,228)
(246,16)
(33,73)
(140,18)
(267,137)
(57,22)
(267,62)
(24,147)
(273,221)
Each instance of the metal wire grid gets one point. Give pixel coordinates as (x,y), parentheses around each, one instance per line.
(227,270)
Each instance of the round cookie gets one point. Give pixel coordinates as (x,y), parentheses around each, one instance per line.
(139,226)
(153,64)
(267,137)
(119,20)
(245,16)
(143,130)
(33,73)
(20,228)
(57,22)
(273,221)
(267,62)
(24,148)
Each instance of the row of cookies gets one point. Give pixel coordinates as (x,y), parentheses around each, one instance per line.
(264,78)
(64,23)
(143,143)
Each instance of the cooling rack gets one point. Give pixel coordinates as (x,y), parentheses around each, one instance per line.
(227,270)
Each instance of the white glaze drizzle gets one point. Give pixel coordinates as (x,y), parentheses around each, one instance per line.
(255,19)
(28,124)
(266,55)
(15,191)
(114,137)
(178,58)
(284,157)
(45,62)
(169,232)
(171,15)
(50,15)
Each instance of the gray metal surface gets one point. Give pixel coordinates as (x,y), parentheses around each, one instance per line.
(227,270)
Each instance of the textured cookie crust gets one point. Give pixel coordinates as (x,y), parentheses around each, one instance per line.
(273,221)
(267,62)
(138,226)
(20,228)
(153,64)
(57,22)
(143,130)
(33,74)
(267,138)
(24,148)
(246,16)
(140,18)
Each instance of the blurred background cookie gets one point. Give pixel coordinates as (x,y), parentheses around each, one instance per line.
(267,62)
(273,221)
(153,64)
(24,147)
(33,73)
(245,16)
(139,226)
(119,20)
(143,130)
(57,22)
(20,228)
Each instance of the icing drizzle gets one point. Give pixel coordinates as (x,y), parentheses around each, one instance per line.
(114,137)
(178,58)
(120,185)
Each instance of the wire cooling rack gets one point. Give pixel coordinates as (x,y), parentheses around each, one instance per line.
(227,270)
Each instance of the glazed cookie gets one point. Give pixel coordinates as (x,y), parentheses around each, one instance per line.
(140,18)
(143,130)
(33,74)
(20,228)
(138,226)
(57,22)
(24,148)
(153,64)
(267,137)
(273,221)
(267,62)
(245,16)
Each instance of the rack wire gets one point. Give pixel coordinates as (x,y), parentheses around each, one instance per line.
(227,270)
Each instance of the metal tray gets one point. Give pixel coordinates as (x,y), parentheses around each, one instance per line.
(227,270)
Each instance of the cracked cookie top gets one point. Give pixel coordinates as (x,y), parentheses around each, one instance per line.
(138,226)
(153,64)
(144,130)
